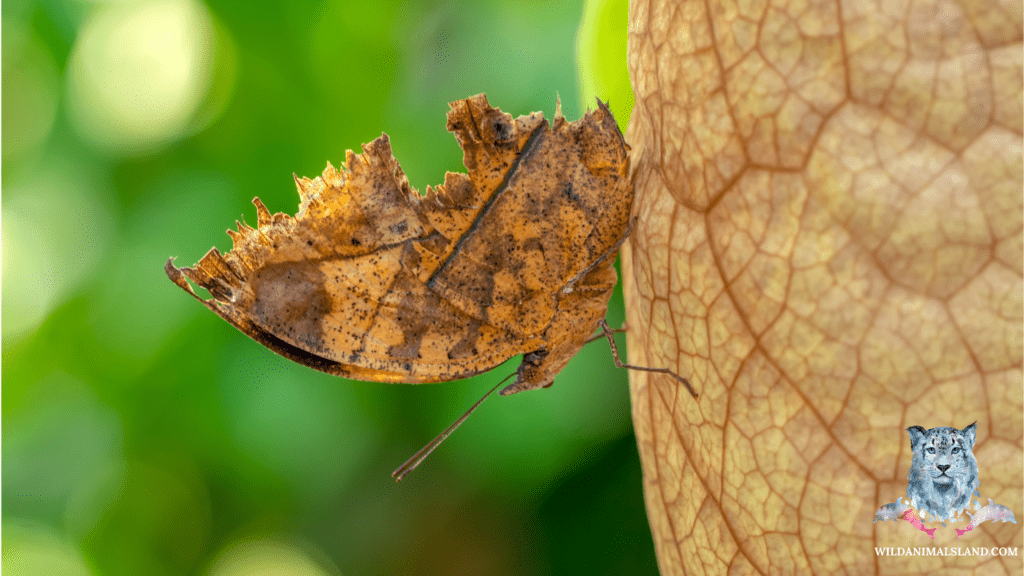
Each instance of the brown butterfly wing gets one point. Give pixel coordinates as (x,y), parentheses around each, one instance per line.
(372,281)
(560,207)
(329,287)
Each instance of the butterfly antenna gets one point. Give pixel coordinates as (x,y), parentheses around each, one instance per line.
(420,456)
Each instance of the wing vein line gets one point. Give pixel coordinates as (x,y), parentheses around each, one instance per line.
(528,148)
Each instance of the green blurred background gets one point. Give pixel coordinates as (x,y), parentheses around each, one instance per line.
(142,435)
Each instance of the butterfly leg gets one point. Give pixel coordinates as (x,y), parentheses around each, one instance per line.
(600,334)
(620,364)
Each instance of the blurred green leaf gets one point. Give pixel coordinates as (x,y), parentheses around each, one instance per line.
(601,57)
(144,435)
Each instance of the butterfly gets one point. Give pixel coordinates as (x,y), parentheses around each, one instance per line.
(373,281)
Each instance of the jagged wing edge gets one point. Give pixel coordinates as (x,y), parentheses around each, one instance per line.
(223,274)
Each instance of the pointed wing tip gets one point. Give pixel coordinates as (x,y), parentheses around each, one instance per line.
(173,272)
(179,278)
(604,109)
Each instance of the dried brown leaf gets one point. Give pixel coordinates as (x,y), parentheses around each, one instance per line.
(829,242)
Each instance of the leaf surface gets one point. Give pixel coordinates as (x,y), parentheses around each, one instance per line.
(829,245)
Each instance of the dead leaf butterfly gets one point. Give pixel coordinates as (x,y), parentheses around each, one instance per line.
(372,281)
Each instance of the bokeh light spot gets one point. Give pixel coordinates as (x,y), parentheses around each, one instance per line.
(139,72)
(30,549)
(56,229)
(29,294)
(265,558)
